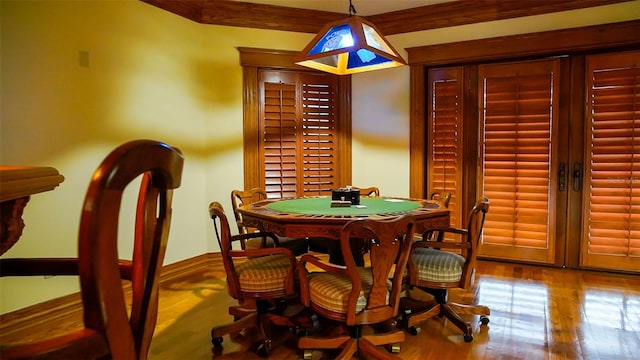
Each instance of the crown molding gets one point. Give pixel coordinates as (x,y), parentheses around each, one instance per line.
(272,17)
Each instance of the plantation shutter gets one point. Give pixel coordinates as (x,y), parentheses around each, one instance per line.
(518,112)
(280,140)
(611,195)
(298,123)
(444,136)
(319,137)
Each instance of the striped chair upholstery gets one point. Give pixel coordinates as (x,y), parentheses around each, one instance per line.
(263,274)
(331,291)
(438,266)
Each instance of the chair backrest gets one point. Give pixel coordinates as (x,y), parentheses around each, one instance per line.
(225,241)
(444,197)
(102,294)
(390,244)
(371,191)
(475,224)
(110,331)
(243,197)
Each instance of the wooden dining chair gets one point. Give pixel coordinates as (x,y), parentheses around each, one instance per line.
(437,266)
(111,329)
(243,197)
(260,279)
(357,296)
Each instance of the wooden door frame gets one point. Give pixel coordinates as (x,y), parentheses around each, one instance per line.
(575,42)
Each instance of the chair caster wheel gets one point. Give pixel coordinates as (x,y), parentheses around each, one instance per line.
(484,320)
(217,351)
(468,338)
(217,341)
(263,349)
(394,348)
(307,355)
(414,330)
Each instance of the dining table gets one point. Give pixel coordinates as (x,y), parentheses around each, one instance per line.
(315,217)
(17,184)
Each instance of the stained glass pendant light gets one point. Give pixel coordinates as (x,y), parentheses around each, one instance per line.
(349,46)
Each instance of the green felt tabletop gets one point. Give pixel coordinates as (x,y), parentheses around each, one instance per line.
(322,206)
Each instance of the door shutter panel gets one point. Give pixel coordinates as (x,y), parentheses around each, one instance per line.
(518,110)
(611,195)
(319,145)
(280,133)
(298,144)
(444,136)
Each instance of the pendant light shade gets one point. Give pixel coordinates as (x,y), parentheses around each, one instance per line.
(349,46)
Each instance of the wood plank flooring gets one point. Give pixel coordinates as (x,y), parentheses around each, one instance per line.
(536,313)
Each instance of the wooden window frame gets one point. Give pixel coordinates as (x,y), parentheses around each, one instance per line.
(254,59)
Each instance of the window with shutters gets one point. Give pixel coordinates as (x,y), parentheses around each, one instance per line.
(299,133)
(445,145)
(611,217)
(518,114)
(296,126)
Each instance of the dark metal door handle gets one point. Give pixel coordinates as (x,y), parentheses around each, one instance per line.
(577,176)
(562,176)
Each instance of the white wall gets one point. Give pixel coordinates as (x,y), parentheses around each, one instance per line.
(152,74)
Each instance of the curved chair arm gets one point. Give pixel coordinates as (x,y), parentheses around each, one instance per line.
(255,235)
(251,253)
(429,235)
(302,274)
(441,245)
(328,267)
(38,266)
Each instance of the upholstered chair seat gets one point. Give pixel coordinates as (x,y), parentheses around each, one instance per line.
(331,291)
(264,274)
(437,266)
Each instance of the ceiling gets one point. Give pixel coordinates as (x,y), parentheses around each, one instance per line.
(363,7)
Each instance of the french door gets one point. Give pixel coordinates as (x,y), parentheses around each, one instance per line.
(611,186)
(519,141)
(556,150)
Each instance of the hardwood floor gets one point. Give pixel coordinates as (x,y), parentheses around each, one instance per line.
(536,313)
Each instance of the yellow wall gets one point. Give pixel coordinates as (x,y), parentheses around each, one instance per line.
(381,99)
(79,78)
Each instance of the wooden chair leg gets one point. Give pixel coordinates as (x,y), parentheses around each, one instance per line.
(414,312)
(366,347)
(246,322)
(457,321)
(386,338)
(349,350)
(464,309)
